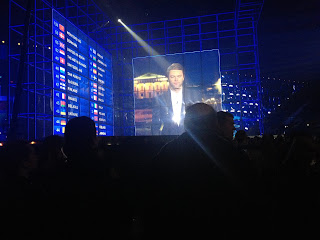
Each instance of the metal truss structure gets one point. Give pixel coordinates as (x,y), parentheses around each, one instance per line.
(35,116)
(234,33)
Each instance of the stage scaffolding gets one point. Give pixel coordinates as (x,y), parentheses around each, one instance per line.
(234,33)
(35,118)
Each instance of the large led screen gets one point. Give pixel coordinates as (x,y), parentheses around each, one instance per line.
(82,78)
(165,85)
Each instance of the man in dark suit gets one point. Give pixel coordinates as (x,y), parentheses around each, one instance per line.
(169,108)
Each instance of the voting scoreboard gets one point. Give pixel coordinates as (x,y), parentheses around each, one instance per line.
(82,78)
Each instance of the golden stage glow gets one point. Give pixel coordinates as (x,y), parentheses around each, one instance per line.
(217,85)
(150,85)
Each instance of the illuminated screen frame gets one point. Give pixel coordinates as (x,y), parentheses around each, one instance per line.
(202,74)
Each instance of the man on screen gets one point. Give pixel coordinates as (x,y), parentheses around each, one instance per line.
(169,108)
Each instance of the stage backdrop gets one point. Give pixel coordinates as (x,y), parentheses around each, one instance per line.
(202,73)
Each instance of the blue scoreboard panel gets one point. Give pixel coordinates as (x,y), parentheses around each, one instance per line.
(82,78)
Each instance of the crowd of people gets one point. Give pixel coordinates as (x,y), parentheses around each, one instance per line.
(204,183)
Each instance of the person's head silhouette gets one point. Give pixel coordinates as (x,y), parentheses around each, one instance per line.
(80,137)
(200,117)
(226,124)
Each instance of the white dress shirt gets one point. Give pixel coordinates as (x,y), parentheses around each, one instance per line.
(176,100)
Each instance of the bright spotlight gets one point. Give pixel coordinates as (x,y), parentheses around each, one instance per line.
(145,45)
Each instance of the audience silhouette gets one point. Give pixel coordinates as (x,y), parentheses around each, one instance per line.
(19,196)
(82,197)
(226,124)
(202,184)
